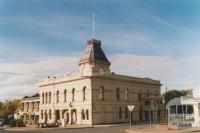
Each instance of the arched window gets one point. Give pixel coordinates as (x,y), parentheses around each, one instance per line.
(73,93)
(101,93)
(84,93)
(117,94)
(126,94)
(120,112)
(46,97)
(57,96)
(65,95)
(83,114)
(49,114)
(49,97)
(42,98)
(42,114)
(87,114)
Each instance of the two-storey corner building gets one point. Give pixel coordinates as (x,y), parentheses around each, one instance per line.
(95,95)
(29,110)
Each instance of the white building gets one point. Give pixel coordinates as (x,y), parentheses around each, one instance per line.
(96,95)
(184,112)
(28,111)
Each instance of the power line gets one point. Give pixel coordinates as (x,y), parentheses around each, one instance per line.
(21,74)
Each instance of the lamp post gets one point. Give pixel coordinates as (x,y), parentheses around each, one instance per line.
(130,108)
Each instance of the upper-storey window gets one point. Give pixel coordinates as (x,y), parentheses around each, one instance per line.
(117,94)
(73,93)
(57,96)
(49,97)
(42,98)
(27,105)
(101,93)
(126,94)
(46,97)
(65,95)
(84,93)
(33,105)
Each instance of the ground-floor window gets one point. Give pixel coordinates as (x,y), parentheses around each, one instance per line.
(49,114)
(83,114)
(41,114)
(87,114)
(126,112)
(120,112)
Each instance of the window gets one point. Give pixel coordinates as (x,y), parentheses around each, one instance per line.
(117,94)
(42,114)
(120,112)
(101,93)
(181,109)
(83,114)
(46,97)
(87,114)
(126,112)
(49,97)
(190,109)
(42,98)
(49,114)
(139,97)
(73,93)
(57,96)
(65,95)
(84,92)
(173,109)
(147,103)
(28,105)
(33,105)
(126,94)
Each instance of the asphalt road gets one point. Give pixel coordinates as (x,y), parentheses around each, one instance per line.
(114,129)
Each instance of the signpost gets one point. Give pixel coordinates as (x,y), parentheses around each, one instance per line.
(130,108)
(151,108)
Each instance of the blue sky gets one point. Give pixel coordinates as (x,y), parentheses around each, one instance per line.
(159,37)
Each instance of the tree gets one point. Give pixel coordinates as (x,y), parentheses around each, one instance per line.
(173,94)
(8,107)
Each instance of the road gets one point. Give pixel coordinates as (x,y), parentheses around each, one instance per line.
(113,129)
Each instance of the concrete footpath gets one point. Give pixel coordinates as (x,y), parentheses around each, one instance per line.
(159,129)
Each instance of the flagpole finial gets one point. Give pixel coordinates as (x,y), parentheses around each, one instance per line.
(93,31)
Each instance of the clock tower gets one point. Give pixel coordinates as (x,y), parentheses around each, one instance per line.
(93,61)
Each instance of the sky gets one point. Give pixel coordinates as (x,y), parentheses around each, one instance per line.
(159,39)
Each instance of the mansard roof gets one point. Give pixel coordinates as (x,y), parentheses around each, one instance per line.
(93,52)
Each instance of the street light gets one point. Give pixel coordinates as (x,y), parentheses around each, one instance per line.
(130,108)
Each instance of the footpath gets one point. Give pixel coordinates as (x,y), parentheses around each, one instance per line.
(159,129)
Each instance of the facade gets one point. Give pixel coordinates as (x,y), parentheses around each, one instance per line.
(96,95)
(29,111)
(184,112)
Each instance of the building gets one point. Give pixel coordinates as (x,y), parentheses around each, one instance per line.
(184,112)
(96,95)
(29,111)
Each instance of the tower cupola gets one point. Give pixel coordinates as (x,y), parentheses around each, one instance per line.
(94,61)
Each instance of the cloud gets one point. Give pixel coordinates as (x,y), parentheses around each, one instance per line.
(181,73)
(15,86)
(176,73)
